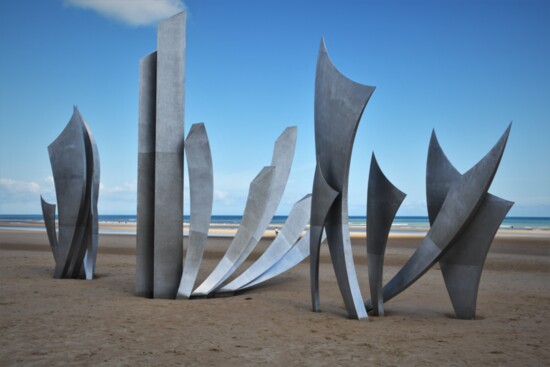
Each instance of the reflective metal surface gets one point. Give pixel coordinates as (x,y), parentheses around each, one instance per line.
(145,226)
(320,207)
(159,244)
(339,104)
(168,207)
(257,215)
(201,187)
(383,201)
(285,240)
(93,183)
(246,236)
(293,257)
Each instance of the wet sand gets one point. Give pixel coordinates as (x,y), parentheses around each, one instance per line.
(45,321)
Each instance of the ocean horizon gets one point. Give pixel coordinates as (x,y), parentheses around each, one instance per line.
(408,222)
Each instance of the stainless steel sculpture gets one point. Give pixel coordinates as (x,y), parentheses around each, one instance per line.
(285,240)
(461,203)
(201,186)
(263,199)
(159,246)
(339,104)
(75,165)
(462,264)
(383,201)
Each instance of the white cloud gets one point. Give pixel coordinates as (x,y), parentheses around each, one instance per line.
(19,187)
(133,12)
(23,197)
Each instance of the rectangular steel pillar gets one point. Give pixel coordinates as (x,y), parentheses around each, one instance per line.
(146,175)
(168,183)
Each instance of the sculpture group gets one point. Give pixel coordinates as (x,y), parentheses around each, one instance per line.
(463,216)
(161,271)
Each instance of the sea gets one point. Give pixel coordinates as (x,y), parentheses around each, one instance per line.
(357,223)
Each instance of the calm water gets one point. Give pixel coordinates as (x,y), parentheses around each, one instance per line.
(525,223)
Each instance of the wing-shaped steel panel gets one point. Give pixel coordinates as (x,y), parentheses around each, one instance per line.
(285,240)
(293,257)
(462,264)
(320,206)
(93,179)
(48,211)
(68,160)
(383,201)
(201,185)
(339,104)
(246,236)
(255,225)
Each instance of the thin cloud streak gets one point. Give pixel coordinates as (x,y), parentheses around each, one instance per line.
(135,12)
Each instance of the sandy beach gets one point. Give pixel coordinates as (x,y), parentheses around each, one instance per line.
(45,321)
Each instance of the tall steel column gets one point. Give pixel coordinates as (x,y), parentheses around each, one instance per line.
(146,175)
(160,172)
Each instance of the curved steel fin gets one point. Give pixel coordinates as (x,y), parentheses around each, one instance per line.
(339,104)
(440,175)
(383,201)
(285,240)
(320,206)
(293,257)
(246,236)
(48,211)
(462,264)
(254,225)
(92,181)
(459,207)
(201,184)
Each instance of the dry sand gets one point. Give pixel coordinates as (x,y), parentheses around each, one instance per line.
(45,321)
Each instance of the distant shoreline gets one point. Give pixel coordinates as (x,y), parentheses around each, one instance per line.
(230,229)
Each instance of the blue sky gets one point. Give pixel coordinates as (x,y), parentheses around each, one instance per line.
(464,68)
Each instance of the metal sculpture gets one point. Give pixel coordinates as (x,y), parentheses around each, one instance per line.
(339,104)
(462,264)
(201,187)
(75,165)
(383,200)
(285,240)
(263,199)
(159,246)
(464,217)
(457,210)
